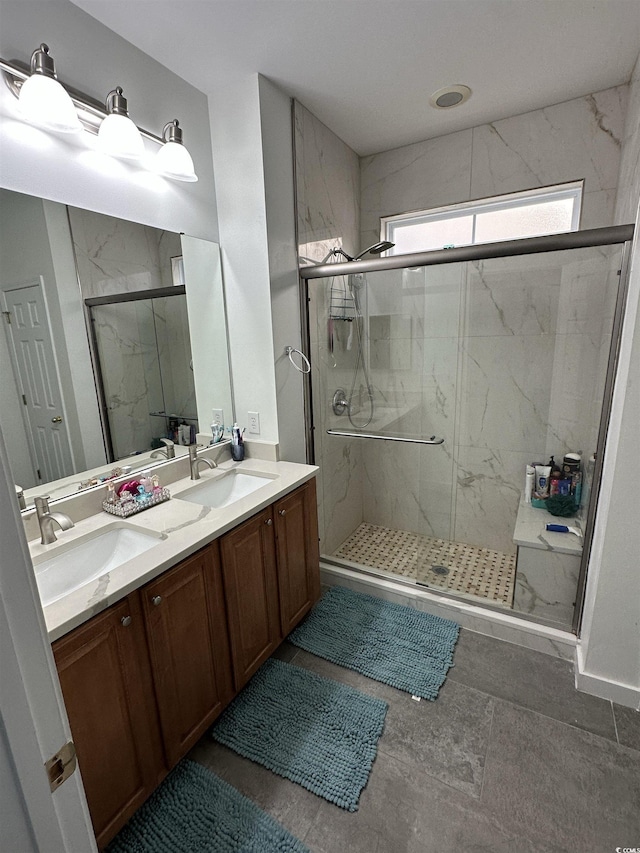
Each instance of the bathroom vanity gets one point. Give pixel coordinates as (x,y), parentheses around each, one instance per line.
(151,653)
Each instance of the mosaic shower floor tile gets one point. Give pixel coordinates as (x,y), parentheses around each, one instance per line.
(454,566)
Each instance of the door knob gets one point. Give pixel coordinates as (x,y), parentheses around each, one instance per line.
(56,420)
(156,600)
(125,621)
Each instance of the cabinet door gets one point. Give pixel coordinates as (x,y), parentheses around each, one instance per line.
(298,554)
(251,592)
(189,649)
(106,682)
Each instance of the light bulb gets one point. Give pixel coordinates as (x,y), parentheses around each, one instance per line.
(173,160)
(45,102)
(118,135)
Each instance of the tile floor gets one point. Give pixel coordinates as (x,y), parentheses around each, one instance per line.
(508,759)
(479,572)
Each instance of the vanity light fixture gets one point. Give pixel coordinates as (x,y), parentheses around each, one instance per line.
(46,102)
(43,100)
(117,134)
(173,160)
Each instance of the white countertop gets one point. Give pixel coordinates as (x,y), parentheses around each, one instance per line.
(530,531)
(185,528)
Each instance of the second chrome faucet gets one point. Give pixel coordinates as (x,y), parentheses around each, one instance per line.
(195,460)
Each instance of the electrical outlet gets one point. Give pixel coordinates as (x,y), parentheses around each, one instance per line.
(217,417)
(254,422)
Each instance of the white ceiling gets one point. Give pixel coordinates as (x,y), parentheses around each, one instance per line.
(366,68)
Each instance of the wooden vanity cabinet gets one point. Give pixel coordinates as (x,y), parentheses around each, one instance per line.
(251,591)
(270,566)
(296,528)
(186,627)
(104,672)
(143,680)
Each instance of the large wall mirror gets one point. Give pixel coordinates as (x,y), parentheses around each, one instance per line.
(114,337)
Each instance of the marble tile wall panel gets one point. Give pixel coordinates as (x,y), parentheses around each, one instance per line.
(327,188)
(130,373)
(629,178)
(113,255)
(504,391)
(488,486)
(327,198)
(570,141)
(577,139)
(546,585)
(424,175)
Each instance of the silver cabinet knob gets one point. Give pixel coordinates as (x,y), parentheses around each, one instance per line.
(282,512)
(125,621)
(56,420)
(268,522)
(156,600)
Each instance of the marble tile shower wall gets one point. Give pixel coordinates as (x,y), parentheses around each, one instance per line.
(115,256)
(576,139)
(499,339)
(327,195)
(501,358)
(455,330)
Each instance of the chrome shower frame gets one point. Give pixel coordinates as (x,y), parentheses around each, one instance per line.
(612,235)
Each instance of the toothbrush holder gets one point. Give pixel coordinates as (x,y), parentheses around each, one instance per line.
(237,452)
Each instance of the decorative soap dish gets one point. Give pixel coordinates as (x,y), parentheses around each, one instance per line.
(125,508)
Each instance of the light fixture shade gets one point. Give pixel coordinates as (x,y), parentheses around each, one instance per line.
(173,160)
(44,102)
(119,137)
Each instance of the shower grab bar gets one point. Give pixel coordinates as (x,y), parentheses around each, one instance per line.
(305,366)
(432,440)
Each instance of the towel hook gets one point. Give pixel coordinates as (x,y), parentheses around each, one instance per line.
(305,361)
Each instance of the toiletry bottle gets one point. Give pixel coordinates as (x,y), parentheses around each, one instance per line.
(554,477)
(529,482)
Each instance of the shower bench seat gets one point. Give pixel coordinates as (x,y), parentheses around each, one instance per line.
(547,566)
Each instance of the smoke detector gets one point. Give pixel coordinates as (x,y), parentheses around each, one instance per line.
(450,96)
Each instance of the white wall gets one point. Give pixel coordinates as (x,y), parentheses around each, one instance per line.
(609,653)
(92,58)
(237,145)
(277,152)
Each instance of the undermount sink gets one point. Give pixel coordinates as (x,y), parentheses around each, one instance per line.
(224,489)
(88,558)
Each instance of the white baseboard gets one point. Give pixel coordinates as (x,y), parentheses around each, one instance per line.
(622,694)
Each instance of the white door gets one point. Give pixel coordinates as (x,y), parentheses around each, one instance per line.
(36,374)
(33,721)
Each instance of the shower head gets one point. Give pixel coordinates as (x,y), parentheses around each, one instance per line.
(376,249)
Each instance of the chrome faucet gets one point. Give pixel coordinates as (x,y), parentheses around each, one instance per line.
(195,460)
(168,452)
(46,520)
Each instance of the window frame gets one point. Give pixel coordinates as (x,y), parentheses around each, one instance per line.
(509,201)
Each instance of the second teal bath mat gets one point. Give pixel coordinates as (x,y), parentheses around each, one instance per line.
(311,730)
(388,642)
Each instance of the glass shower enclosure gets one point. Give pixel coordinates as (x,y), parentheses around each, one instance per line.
(436,379)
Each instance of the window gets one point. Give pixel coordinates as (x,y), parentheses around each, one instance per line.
(550,210)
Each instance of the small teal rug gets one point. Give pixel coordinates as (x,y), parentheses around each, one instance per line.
(311,730)
(388,642)
(194,810)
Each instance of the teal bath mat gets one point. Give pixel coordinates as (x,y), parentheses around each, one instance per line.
(194,810)
(388,642)
(311,730)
